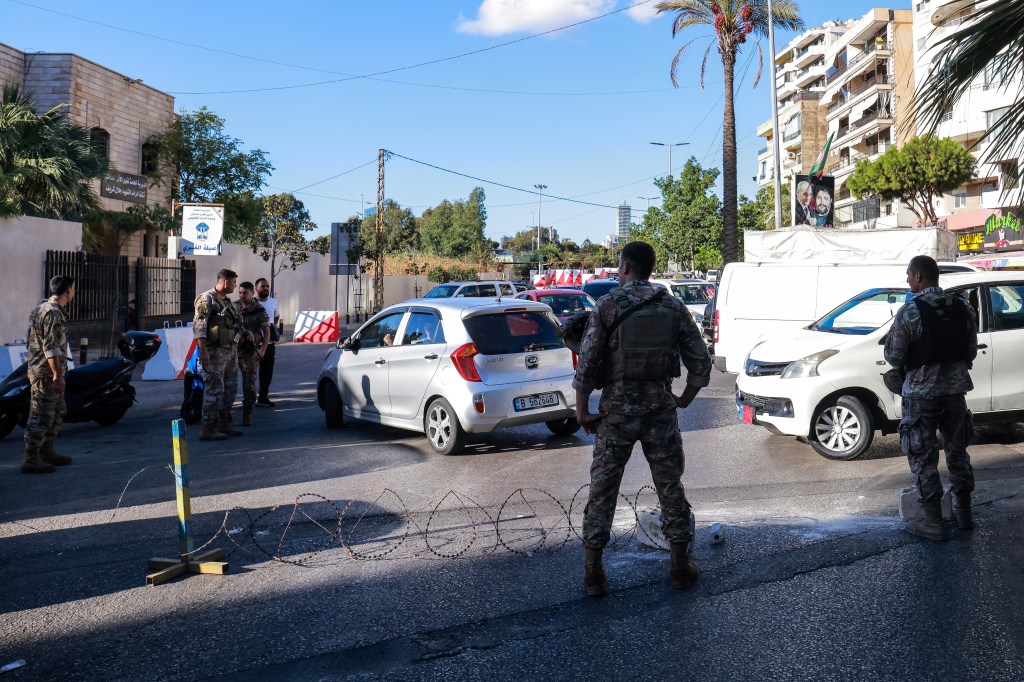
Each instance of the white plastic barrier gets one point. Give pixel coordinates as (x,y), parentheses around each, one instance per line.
(316,326)
(12,355)
(176,344)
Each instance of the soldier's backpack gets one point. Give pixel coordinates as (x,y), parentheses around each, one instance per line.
(945,335)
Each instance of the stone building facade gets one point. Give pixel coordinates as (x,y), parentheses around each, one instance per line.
(122,113)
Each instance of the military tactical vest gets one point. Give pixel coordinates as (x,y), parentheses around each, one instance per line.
(945,335)
(224,325)
(645,346)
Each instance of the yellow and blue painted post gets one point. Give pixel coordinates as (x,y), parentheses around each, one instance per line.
(205,562)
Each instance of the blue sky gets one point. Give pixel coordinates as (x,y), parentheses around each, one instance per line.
(574,109)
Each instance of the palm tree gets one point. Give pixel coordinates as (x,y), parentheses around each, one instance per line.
(47,163)
(732,21)
(989,42)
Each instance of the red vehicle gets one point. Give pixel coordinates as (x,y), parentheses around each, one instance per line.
(564,302)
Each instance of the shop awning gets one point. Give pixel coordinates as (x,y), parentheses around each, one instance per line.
(996,261)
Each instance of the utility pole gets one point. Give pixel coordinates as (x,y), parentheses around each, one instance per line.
(378,259)
(540,201)
(776,156)
(670,145)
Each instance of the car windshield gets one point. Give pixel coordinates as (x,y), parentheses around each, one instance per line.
(564,305)
(513,332)
(864,313)
(443,291)
(691,293)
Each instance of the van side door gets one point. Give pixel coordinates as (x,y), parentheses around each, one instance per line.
(1006,345)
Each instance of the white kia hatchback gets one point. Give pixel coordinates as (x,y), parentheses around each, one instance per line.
(448,367)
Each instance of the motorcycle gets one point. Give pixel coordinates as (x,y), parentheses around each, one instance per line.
(101,391)
(192,405)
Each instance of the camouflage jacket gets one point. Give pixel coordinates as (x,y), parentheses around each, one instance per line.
(931,380)
(47,337)
(217,315)
(635,398)
(255,322)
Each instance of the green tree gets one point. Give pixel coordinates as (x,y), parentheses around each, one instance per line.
(917,173)
(280,235)
(47,164)
(455,229)
(732,21)
(206,165)
(759,213)
(400,231)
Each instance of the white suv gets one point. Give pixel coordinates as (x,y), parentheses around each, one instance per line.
(488,289)
(824,383)
(452,366)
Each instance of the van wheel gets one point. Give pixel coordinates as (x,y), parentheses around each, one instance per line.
(563,427)
(842,429)
(334,413)
(442,428)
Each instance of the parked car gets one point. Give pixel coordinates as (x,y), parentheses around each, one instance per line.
(824,383)
(487,289)
(712,276)
(522,286)
(564,303)
(691,292)
(448,367)
(596,288)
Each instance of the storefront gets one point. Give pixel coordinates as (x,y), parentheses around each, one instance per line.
(989,238)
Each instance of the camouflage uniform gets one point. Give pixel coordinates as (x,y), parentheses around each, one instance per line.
(255,323)
(47,338)
(642,411)
(933,399)
(221,374)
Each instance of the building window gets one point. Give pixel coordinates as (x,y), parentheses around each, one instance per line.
(100,141)
(1009,174)
(150,159)
(993,117)
(960,199)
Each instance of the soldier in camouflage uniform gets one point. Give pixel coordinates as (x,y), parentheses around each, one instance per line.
(632,347)
(217,329)
(252,347)
(47,363)
(934,340)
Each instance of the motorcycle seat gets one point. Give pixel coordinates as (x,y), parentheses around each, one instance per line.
(93,374)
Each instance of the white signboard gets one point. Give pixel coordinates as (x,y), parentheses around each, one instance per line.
(202,228)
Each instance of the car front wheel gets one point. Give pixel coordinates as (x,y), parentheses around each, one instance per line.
(442,428)
(334,414)
(842,429)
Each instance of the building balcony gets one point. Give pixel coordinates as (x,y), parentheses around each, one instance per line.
(1000,198)
(807,55)
(762,151)
(951,13)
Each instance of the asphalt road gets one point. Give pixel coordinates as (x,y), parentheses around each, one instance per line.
(360,554)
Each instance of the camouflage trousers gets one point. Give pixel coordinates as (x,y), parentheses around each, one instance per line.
(948,415)
(46,412)
(663,447)
(221,380)
(249,364)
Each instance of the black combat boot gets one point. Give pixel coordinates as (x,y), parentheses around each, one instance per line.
(51,456)
(224,426)
(931,526)
(594,579)
(210,431)
(684,572)
(34,463)
(963,512)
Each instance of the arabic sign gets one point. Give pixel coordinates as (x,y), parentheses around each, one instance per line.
(1003,233)
(124,186)
(202,228)
(970,242)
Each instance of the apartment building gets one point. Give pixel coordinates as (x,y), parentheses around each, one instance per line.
(995,192)
(868,102)
(800,75)
(122,113)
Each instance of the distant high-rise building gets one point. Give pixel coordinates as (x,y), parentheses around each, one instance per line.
(625,220)
(552,235)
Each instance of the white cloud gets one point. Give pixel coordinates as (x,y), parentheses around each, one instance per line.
(499,17)
(643,13)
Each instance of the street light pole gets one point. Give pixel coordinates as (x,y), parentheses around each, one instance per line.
(776,155)
(670,145)
(648,201)
(540,202)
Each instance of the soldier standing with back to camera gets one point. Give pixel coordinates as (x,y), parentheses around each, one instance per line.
(252,347)
(217,329)
(933,341)
(632,347)
(47,364)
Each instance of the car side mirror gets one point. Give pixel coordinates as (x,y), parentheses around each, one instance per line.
(348,342)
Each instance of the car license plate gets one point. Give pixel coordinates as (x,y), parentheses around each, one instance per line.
(532,402)
(746,414)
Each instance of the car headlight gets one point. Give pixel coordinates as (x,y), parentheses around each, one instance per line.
(807,367)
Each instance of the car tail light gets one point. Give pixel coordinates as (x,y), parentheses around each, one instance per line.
(478,403)
(463,360)
(716,326)
(575,360)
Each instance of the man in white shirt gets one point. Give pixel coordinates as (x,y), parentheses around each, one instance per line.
(267,364)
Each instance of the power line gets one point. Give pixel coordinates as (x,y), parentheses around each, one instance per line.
(350,170)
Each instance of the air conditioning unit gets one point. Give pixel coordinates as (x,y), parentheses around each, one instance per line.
(791,156)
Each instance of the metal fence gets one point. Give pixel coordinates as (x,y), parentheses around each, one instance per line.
(101,284)
(164,287)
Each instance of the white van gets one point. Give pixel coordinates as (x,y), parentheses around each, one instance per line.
(756,301)
(823,384)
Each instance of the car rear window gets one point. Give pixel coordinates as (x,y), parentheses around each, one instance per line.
(598,289)
(513,332)
(566,304)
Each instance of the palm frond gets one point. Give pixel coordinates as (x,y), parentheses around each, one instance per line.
(688,13)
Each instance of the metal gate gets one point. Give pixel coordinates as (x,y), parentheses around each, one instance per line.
(101,284)
(165,287)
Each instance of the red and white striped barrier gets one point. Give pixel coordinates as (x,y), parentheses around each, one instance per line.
(316,326)
(176,344)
